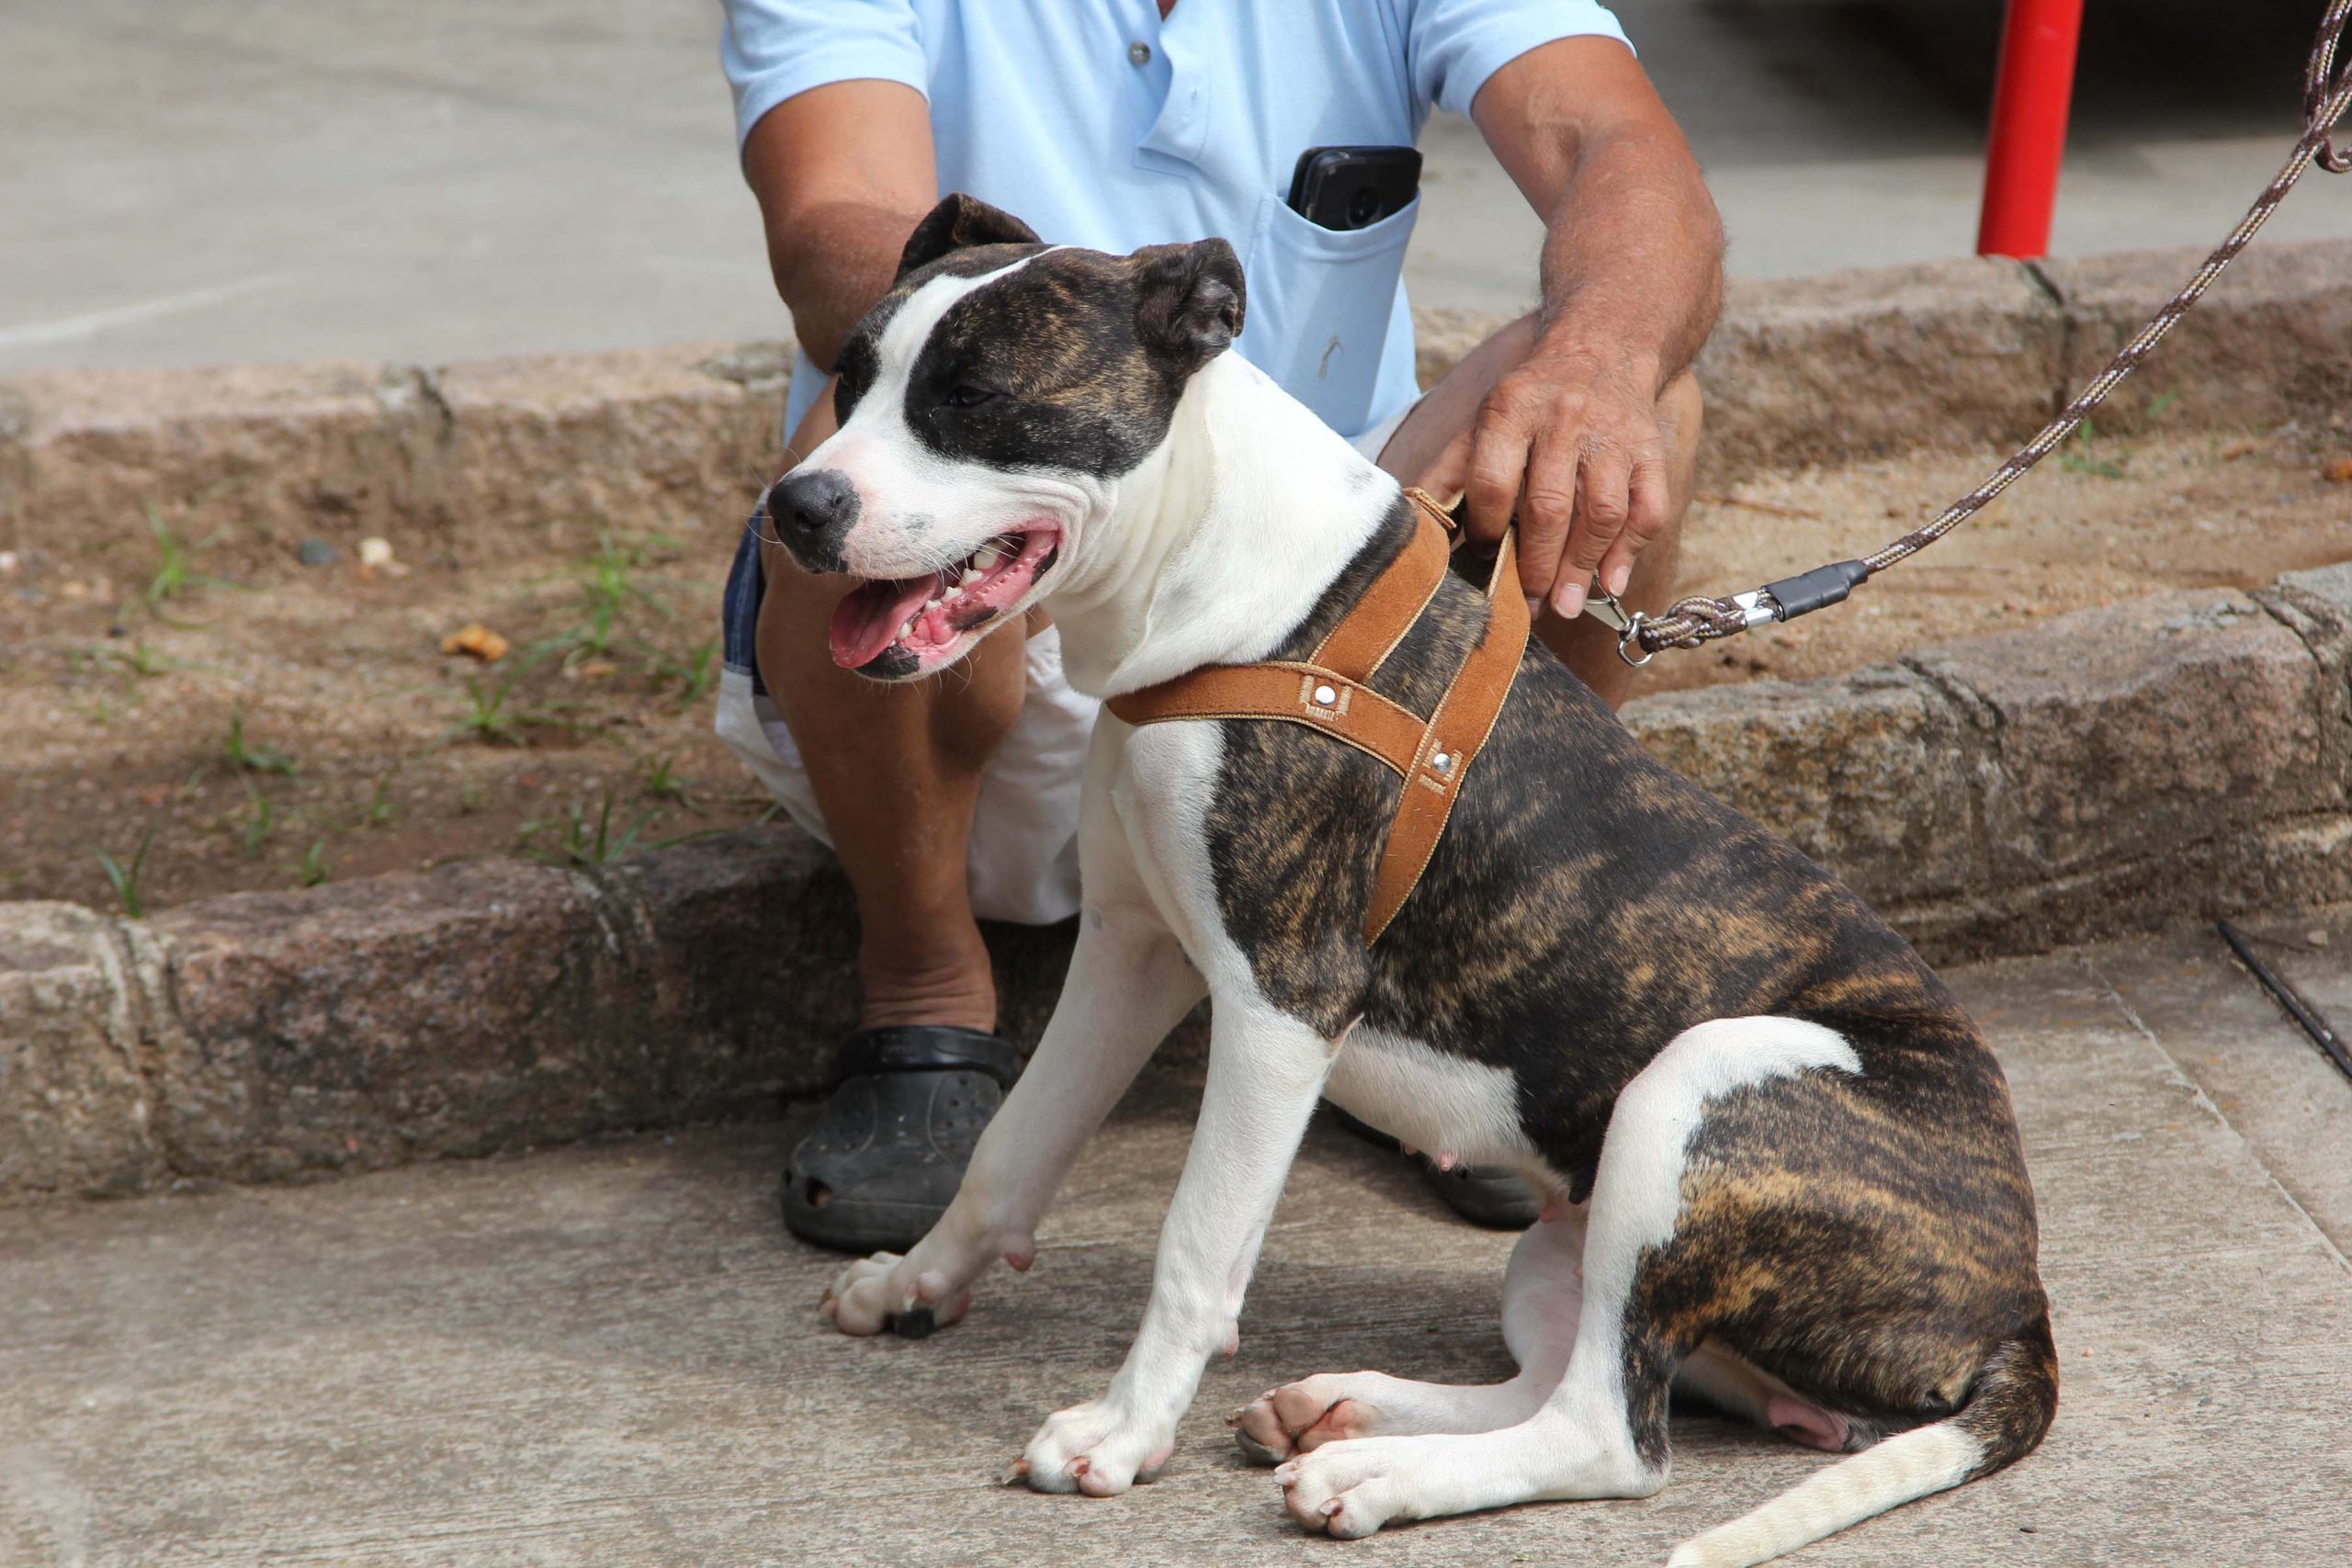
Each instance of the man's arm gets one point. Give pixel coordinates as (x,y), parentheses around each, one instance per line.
(844,172)
(1632,278)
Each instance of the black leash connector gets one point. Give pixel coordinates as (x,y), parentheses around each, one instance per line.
(1815,590)
(1781,601)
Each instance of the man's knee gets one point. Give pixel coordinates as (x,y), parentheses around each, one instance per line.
(1682,414)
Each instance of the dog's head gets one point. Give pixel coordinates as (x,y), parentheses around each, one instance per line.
(988,404)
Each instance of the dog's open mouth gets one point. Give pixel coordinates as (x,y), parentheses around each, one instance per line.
(923,614)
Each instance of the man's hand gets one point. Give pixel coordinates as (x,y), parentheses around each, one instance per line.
(1631,272)
(1569,442)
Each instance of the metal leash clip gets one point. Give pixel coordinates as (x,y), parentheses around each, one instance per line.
(1603,608)
(1628,635)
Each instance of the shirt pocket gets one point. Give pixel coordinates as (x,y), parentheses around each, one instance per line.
(1318,302)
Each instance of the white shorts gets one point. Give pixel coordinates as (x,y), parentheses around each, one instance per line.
(1022,860)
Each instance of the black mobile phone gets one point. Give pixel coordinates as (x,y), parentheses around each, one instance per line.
(1353,187)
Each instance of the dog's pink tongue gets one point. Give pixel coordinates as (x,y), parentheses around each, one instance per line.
(870,614)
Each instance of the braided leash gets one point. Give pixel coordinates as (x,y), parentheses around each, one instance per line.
(2327,96)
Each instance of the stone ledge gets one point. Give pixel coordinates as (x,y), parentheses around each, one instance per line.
(2271,342)
(2189,754)
(1953,355)
(462,457)
(1848,364)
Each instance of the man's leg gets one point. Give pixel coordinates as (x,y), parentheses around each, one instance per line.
(896,771)
(1448,409)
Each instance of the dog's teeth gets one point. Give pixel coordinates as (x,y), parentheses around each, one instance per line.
(971,575)
(908,629)
(986,557)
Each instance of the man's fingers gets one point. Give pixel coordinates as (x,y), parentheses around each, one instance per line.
(1546,511)
(1646,519)
(1604,491)
(1490,487)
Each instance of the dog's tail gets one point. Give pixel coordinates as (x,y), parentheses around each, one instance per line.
(2006,1413)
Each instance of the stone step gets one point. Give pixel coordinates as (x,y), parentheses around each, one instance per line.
(2104,771)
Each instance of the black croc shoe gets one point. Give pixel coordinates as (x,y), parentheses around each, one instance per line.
(1489,1195)
(885,1156)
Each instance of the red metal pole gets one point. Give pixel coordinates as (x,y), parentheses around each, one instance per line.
(2028,137)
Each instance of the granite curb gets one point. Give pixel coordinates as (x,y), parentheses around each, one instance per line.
(474,457)
(2108,769)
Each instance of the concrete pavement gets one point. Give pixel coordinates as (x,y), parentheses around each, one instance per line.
(221,180)
(607,1354)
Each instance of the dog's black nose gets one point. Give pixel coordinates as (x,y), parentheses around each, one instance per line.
(813,509)
(814,503)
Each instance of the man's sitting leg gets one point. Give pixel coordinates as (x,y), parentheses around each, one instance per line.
(896,772)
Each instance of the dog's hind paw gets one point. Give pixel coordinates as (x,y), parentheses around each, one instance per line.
(1092,1448)
(1302,1416)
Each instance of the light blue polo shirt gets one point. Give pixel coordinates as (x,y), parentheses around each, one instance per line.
(1102,125)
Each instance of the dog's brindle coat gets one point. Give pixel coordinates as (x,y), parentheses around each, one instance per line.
(1806,1192)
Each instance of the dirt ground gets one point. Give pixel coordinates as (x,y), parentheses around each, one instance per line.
(301,722)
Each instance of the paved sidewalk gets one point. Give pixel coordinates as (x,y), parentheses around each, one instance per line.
(607,1355)
(428,180)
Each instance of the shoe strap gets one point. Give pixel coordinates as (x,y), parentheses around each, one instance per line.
(928,1048)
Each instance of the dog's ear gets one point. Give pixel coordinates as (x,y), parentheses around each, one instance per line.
(1188,303)
(958,222)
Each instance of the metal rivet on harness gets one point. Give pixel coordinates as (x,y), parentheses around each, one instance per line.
(1441,763)
(1324,696)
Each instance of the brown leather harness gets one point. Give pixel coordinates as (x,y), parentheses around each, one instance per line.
(1329,692)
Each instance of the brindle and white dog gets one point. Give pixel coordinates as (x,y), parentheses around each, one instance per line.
(1784,1170)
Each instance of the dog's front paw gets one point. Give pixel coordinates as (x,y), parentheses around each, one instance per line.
(1351,1489)
(1302,1416)
(1095,1448)
(887,1291)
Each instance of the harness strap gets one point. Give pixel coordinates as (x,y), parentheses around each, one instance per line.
(1457,731)
(1328,692)
(1371,630)
(1301,693)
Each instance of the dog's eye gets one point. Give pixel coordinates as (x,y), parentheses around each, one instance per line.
(964,395)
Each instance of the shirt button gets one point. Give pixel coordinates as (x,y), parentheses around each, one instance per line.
(1139,53)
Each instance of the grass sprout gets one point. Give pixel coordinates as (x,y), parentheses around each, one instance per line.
(175,570)
(2080,455)
(246,757)
(492,717)
(584,840)
(127,881)
(261,818)
(695,670)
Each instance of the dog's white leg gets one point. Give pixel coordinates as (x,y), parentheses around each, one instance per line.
(1129,982)
(1601,1433)
(1542,1292)
(1265,1070)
